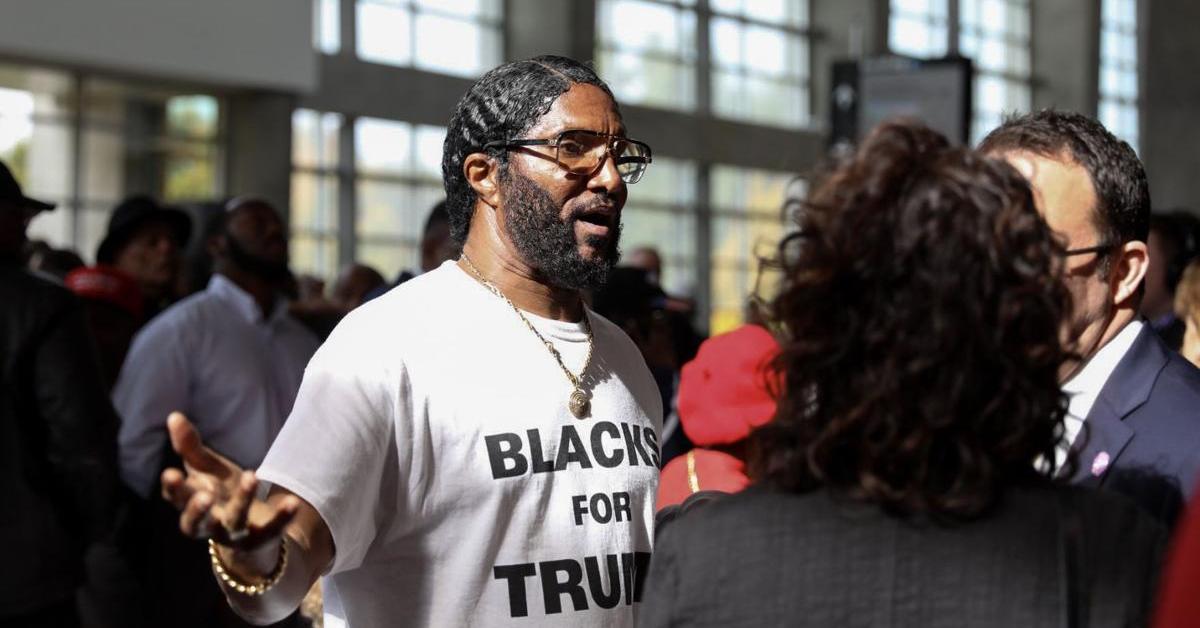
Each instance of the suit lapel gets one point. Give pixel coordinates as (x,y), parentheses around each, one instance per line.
(1105,432)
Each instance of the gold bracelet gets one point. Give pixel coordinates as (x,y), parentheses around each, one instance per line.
(249,589)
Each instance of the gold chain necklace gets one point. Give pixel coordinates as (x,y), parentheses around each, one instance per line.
(580,401)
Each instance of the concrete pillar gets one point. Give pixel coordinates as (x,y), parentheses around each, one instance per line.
(539,27)
(842,29)
(259,161)
(1065,46)
(1170,101)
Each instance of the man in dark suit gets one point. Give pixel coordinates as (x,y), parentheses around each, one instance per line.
(1139,401)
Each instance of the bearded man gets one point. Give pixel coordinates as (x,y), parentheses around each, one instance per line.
(476,447)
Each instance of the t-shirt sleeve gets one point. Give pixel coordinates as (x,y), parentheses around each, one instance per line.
(332,451)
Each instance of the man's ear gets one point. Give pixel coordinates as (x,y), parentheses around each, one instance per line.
(482,174)
(1128,271)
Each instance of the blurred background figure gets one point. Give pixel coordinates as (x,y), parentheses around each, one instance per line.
(353,285)
(113,305)
(647,259)
(898,480)
(638,306)
(1174,242)
(436,247)
(144,240)
(58,458)
(661,330)
(436,244)
(231,358)
(1187,309)
(726,392)
(197,263)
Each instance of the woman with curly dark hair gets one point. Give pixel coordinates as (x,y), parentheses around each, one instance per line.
(908,476)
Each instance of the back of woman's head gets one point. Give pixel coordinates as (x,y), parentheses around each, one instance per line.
(921,308)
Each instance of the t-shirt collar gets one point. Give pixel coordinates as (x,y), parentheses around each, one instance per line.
(562,330)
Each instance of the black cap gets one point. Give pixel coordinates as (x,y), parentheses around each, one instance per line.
(10,192)
(131,214)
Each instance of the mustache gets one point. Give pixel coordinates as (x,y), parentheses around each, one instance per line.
(598,206)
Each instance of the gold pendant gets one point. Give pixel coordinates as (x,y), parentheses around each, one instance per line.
(579,403)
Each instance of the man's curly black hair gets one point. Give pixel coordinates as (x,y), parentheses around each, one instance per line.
(503,104)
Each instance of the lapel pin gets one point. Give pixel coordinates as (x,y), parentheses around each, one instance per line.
(1100,464)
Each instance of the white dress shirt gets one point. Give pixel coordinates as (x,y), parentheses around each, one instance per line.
(214,357)
(1084,387)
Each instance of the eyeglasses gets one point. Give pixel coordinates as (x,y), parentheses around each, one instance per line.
(1099,248)
(583,152)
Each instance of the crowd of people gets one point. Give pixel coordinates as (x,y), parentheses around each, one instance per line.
(972,402)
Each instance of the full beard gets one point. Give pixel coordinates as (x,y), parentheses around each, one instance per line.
(547,243)
(269,270)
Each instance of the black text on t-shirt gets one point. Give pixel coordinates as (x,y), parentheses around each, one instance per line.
(512,454)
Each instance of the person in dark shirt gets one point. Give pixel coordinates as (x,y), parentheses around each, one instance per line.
(58,458)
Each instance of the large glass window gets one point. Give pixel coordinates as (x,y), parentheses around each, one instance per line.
(458,37)
(760,60)
(647,51)
(995,34)
(314,196)
(398,180)
(919,28)
(327,24)
(140,139)
(1118,107)
(36,142)
(660,214)
(133,139)
(394,176)
(749,220)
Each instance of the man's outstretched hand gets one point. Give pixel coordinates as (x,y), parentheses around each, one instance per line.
(216,498)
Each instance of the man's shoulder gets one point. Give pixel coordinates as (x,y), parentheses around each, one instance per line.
(422,300)
(413,314)
(605,330)
(1179,378)
(1176,389)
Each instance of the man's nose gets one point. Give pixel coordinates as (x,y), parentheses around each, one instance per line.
(607,176)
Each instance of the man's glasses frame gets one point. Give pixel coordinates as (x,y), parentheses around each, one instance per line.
(631,167)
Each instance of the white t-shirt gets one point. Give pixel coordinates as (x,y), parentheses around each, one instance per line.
(432,434)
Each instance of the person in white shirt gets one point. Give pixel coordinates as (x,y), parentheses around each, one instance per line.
(230,356)
(476,447)
(1131,416)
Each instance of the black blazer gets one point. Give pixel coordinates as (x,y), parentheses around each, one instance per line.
(1142,436)
(762,558)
